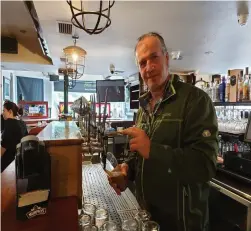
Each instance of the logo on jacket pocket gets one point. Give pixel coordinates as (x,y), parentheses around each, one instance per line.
(206,133)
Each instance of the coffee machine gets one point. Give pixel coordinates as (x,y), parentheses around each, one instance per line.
(33,178)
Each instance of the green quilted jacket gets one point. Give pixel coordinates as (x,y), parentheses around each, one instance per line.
(184,144)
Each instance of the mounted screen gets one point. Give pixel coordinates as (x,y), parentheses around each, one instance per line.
(115,89)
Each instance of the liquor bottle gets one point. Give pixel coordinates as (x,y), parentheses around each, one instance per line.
(249,86)
(246,86)
(227,91)
(240,87)
(213,91)
(217,92)
(210,89)
(206,88)
(222,89)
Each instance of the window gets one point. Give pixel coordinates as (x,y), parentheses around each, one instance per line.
(32,89)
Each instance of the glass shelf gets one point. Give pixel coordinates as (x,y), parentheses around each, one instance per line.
(244,103)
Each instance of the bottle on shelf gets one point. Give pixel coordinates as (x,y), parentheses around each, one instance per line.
(246,86)
(205,87)
(217,92)
(240,88)
(249,87)
(227,89)
(222,89)
(233,96)
(210,90)
(213,91)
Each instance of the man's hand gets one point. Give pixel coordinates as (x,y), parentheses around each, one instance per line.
(140,142)
(118,178)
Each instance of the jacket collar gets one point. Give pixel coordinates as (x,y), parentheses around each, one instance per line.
(168,92)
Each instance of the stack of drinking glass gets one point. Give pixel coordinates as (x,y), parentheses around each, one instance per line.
(97,219)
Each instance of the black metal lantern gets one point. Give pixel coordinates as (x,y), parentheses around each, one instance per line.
(79,14)
(74,62)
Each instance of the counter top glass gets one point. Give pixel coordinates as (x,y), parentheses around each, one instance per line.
(63,132)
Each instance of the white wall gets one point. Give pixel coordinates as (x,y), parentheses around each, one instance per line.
(207,78)
(48,85)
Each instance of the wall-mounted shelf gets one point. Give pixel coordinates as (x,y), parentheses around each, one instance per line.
(244,103)
(134,96)
(136,90)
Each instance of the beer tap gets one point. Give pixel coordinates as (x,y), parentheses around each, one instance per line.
(95,138)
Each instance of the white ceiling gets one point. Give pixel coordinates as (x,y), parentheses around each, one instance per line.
(17,22)
(14,17)
(192,27)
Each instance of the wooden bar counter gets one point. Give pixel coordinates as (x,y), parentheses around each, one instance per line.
(62,212)
(63,141)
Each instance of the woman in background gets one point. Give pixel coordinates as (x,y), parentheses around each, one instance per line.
(2,123)
(14,131)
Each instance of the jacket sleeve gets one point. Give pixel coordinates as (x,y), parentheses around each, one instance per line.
(195,161)
(132,160)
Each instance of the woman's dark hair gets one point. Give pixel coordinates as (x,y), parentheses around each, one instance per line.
(12,106)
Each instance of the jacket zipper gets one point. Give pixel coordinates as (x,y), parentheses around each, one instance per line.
(178,183)
(143,162)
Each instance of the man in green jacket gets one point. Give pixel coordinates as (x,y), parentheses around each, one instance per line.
(176,141)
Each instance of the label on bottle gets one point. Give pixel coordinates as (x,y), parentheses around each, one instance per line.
(233,80)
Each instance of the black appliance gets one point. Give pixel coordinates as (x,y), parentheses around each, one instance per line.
(115,90)
(238,162)
(33,178)
(9,45)
(54,78)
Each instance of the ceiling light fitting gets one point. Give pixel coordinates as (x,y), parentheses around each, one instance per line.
(242,19)
(79,13)
(74,62)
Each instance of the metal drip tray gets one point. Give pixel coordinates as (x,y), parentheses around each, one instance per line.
(96,190)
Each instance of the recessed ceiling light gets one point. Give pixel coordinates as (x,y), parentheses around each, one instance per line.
(209,52)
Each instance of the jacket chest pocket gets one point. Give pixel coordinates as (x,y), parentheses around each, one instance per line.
(167,132)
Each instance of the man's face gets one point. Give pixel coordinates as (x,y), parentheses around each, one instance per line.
(153,64)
